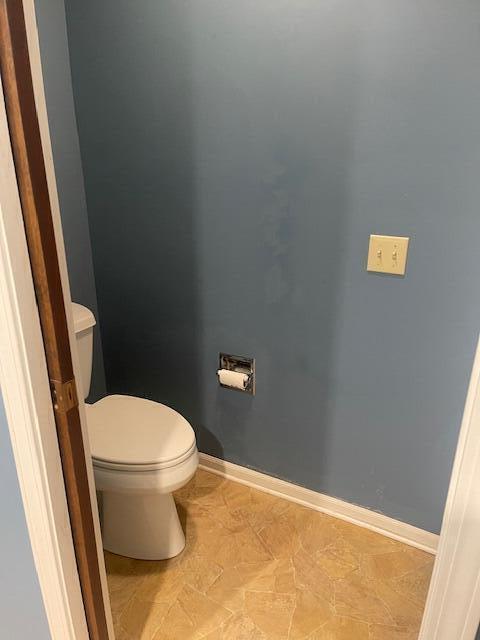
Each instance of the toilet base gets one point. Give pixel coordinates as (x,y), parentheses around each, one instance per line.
(145,527)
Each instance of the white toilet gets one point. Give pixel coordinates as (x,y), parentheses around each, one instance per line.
(142,451)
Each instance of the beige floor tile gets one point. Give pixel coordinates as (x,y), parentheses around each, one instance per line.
(262,509)
(220,546)
(342,629)
(284,574)
(236,495)
(141,619)
(317,535)
(121,634)
(346,552)
(124,577)
(205,613)
(257,567)
(196,510)
(414,585)
(303,516)
(210,498)
(202,528)
(421,557)
(366,541)
(207,479)
(246,575)
(121,590)
(358,599)
(231,519)
(249,547)
(200,572)
(216,634)
(385,566)
(280,537)
(404,612)
(270,612)
(229,589)
(258,578)
(333,565)
(309,576)
(232,598)
(239,627)
(379,632)
(175,625)
(311,613)
(162,585)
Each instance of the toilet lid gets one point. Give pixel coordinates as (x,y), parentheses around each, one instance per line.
(128,430)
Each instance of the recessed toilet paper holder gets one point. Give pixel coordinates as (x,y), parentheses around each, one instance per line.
(239,364)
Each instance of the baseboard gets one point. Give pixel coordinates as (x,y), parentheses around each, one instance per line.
(360,516)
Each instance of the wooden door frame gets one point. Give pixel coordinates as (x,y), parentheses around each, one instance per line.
(26,395)
(453,604)
(30,196)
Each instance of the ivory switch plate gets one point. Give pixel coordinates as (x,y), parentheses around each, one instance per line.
(387,254)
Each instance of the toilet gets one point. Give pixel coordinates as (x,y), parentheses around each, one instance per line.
(142,451)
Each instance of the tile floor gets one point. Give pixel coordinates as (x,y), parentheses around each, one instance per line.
(261,568)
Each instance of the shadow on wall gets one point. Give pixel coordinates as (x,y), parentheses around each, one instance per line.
(50,16)
(217,198)
(143,204)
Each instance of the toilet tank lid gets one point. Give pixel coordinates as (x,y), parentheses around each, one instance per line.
(83,318)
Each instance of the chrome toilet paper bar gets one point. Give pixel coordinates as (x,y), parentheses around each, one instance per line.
(236,372)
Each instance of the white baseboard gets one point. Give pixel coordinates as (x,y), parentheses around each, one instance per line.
(360,516)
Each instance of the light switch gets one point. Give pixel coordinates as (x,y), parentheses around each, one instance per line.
(387,254)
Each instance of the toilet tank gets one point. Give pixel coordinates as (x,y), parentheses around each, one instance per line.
(83,322)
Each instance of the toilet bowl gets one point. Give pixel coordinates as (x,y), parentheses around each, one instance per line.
(142,451)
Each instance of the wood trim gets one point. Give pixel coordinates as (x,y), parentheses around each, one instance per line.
(40,233)
(26,394)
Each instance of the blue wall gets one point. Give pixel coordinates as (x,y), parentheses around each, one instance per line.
(21,604)
(66,154)
(237,156)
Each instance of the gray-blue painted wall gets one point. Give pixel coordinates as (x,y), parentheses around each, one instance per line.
(21,606)
(237,155)
(66,154)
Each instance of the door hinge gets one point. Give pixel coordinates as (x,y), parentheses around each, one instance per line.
(64,395)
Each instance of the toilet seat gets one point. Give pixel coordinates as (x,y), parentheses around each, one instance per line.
(134,468)
(132,434)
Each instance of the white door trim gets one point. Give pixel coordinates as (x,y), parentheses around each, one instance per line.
(453,605)
(41,105)
(26,392)
(28,405)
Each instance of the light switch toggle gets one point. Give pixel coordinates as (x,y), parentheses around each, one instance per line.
(388,254)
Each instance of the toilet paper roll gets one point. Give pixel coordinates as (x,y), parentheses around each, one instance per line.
(233,379)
